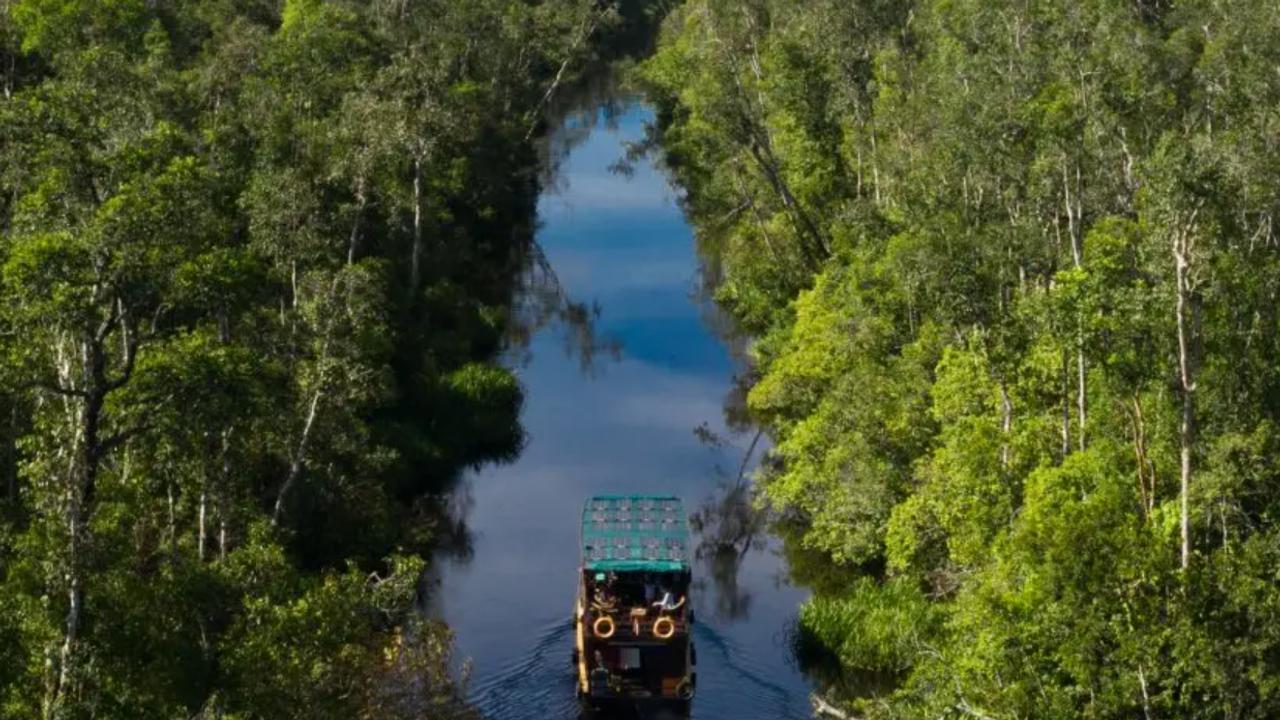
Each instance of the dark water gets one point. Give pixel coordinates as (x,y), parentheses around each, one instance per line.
(624,424)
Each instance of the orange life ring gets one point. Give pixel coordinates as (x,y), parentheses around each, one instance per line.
(664,627)
(603,627)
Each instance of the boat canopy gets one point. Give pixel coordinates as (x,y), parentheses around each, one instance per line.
(635,533)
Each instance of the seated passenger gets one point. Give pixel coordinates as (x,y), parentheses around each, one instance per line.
(668,603)
(603,600)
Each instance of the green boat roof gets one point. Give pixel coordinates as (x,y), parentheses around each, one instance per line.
(635,533)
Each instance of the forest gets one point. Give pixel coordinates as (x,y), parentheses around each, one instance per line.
(1009,270)
(1012,272)
(257,260)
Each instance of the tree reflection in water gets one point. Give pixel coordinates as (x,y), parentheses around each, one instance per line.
(541,299)
(453,536)
(728,526)
(543,303)
(442,522)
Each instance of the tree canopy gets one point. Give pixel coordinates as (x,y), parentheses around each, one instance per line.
(1011,271)
(257,259)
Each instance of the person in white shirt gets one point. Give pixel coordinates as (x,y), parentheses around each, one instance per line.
(668,603)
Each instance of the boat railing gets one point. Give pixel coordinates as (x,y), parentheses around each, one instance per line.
(637,623)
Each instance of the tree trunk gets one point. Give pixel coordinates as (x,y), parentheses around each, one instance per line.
(858,187)
(10,65)
(1081,392)
(223,484)
(1146,473)
(588,29)
(11,460)
(1006,424)
(218,485)
(1073,218)
(353,243)
(1186,428)
(1146,698)
(1074,232)
(1066,405)
(1185,312)
(82,479)
(415,262)
(750,203)
(813,242)
(823,708)
(299,459)
(875,166)
(201,533)
(755,137)
(71,633)
(173,525)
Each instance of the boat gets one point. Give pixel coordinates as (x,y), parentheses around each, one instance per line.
(632,619)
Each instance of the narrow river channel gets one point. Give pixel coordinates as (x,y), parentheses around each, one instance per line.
(624,424)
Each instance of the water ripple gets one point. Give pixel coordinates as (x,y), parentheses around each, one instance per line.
(539,683)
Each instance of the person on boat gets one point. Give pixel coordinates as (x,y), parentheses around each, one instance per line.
(603,599)
(668,602)
(600,676)
(650,591)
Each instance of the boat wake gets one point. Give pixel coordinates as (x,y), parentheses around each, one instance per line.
(539,683)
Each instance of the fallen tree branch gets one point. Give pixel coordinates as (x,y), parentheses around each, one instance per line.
(825,709)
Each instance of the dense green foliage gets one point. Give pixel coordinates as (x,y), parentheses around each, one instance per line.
(256,260)
(1013,273)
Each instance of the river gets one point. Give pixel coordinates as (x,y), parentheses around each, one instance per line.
(623,422)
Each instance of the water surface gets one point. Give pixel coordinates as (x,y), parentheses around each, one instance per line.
(623,424)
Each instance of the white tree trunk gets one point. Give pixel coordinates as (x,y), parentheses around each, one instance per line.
(353,243)
(1075,233)
(299,459)
(201,532)
(415,262)
(1183,245)
(1006,423)
(1066,405)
